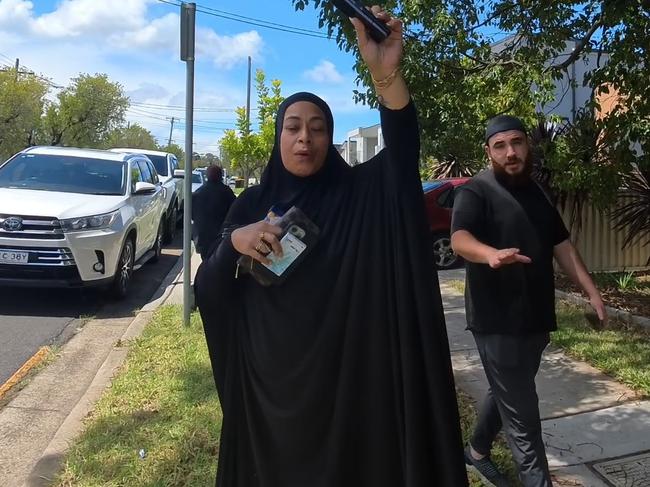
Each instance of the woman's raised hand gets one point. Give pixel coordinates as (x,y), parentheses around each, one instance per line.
(382,58)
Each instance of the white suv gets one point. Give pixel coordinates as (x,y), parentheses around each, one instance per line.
(166,166)
(78,217)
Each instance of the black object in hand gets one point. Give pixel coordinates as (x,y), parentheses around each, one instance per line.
(592,318)
(377,30)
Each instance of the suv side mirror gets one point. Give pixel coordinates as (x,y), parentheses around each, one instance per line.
(142,187)
(179,173)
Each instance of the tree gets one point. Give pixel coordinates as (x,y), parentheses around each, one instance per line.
(86,113)
(209,159)
(21,105)
(246,151)
(133,135)
(459,78)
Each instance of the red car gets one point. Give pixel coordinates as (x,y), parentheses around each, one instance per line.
(439,199)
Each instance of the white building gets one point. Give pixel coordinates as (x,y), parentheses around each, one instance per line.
(571,91)
(361,144)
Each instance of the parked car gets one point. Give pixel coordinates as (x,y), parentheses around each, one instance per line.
(78,217)
(198,178)
(171,178)
(439,199)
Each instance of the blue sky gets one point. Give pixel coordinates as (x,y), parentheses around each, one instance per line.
(136,43)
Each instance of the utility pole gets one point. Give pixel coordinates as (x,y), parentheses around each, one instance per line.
(188,16)
(17,67)
(248,96)
(171,129)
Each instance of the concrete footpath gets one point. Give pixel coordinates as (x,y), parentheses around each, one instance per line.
(37,426)
(597,432)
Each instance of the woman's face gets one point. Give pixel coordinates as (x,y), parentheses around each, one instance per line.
(304,139)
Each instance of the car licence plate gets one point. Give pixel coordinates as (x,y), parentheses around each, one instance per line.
(13,257)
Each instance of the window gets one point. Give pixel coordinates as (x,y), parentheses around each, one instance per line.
(160,163)
(64,173)
(154,173)
(145,171)
(136,176)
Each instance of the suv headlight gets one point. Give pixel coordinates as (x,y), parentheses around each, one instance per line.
(94,222)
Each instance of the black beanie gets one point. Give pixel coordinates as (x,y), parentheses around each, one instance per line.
(503,123)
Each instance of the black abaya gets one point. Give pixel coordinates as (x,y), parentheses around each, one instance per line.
(340,376)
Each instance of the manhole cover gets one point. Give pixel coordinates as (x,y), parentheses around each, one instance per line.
(626,472)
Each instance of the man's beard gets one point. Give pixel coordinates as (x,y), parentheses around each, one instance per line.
(514,180)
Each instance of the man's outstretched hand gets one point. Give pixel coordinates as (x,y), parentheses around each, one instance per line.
(507,256)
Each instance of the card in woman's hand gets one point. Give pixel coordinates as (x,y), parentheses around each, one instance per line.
(299,235)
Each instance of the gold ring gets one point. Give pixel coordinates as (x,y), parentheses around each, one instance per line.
(258,248)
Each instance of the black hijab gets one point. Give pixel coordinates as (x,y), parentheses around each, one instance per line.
(341,376)
(280,187)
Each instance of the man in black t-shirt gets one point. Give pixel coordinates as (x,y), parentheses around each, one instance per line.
(508,232)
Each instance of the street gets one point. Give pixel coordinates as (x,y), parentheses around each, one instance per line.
(33,318)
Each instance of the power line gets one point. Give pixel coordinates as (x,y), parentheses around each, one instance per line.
(251,21)
(182,107)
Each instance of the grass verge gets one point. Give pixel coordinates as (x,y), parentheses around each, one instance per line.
(618,351)
(159,422)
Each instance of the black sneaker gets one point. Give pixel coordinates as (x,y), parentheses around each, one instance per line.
(486,469)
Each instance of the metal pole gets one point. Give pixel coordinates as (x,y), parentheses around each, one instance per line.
(171,130)
(188,14)
(248,97)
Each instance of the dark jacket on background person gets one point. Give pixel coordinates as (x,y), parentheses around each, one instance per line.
(210,204)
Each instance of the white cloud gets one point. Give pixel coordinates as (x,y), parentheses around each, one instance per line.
(325,72)
(15,14)
(226,51)
(123,25)
(147,92)
(159,34)
(74,18)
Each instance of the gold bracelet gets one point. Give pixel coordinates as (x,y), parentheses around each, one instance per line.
(384,83)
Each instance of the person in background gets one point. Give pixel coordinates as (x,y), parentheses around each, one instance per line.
(341,374)
(508,232)
(210,204)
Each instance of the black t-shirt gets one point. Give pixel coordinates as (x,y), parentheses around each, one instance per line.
(516,298)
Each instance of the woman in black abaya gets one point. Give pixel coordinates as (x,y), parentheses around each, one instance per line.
(341,375)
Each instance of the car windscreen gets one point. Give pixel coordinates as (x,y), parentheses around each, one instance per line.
(431,185)
(64,173)
(197,178)
(160,163)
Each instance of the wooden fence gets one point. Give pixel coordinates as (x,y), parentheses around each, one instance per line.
(600,245)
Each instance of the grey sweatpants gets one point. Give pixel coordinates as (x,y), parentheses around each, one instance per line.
(511,363)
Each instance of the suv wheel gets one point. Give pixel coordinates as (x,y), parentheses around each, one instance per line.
(157,246)
(444,256)
(124,271)
(170,231)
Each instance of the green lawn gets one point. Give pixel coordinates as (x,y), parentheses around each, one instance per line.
(619,351)
(163,401)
